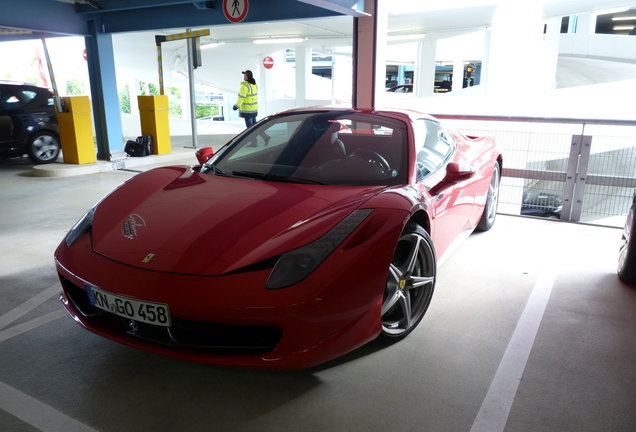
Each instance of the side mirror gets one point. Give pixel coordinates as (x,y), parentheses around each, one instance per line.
(204,154)
(455,173)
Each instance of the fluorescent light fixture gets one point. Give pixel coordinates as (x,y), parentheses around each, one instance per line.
(411,36)
(624,18)
(289,40)
(623,27)
(212,45)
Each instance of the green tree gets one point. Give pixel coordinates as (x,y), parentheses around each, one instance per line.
(124,100)
(154,89)
(74,88)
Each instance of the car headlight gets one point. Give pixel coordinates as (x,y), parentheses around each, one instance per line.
(81,227)
(296,265)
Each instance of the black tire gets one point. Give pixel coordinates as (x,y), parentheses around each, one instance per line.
(43,147)
(410,283)
(489,215)
(627,253)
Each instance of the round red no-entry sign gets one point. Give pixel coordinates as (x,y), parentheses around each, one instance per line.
(235,10)
(268,62)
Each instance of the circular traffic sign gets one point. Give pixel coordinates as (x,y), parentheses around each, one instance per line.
(235,10)
(268,62)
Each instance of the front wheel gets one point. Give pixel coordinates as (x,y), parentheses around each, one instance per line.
(492,200)
(627,253)
(44,147)
(410,283)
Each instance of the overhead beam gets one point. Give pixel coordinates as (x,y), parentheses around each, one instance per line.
(124,5)
(171,14)
(45,16)
(353,8)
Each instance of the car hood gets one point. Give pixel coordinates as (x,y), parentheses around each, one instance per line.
(177,220)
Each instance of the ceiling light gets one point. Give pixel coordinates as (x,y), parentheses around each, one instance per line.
(623,27)
(212,45)
(624,18)
(279,40)
(411,36)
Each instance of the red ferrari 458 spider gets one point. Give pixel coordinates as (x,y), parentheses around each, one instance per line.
(306,236)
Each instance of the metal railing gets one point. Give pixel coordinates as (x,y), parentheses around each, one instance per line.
(570,169)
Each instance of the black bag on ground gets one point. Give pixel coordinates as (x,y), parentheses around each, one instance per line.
(142,146)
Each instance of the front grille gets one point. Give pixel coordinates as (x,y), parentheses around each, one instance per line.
(183,335)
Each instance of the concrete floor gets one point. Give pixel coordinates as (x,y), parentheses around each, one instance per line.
(529,330)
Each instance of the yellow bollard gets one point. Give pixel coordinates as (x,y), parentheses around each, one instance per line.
(76,131)
(153,112)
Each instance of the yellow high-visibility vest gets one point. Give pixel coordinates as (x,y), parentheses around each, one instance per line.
(247,101)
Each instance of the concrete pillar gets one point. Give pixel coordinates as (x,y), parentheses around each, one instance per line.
(485,64)
(369,53)
(105,99)
(550,53)
(586,24)
(264,83)
(458,75)
(303,74)
(424,76)
(341,78)
(516,47)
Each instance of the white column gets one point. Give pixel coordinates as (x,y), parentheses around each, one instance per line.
(381,47)
(458,75)
(516,46)
(303,74)
(263,80)
(586,24)
(550,53)
(424,79)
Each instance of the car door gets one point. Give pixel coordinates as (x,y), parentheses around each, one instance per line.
(11,106)
(452,203)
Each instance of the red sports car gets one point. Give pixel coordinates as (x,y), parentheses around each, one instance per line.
(304,237)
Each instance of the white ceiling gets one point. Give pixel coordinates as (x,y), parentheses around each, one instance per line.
(406,16)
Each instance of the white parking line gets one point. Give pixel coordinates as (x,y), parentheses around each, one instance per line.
(495,408)
(36,413)
(31,324)
(29,305)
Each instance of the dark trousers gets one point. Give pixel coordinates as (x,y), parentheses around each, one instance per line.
(250,119)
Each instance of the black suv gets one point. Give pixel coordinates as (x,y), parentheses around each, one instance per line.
(27,122)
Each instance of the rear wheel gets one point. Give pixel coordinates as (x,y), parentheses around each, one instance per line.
(44,147)
(410,283)
(627,254)
(492,200)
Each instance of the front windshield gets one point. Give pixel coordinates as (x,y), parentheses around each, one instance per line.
(335,148)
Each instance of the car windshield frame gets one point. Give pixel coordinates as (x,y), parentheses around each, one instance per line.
(343,148)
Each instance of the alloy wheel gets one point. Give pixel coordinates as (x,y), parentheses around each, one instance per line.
(410,284)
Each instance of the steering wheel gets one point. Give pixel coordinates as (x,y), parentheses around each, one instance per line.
(374,158)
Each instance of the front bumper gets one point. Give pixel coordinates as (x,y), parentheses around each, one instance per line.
(232,319)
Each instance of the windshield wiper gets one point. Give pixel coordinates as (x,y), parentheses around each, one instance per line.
(215,169)
(274,177)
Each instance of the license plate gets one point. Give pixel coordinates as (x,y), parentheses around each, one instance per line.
(143,311)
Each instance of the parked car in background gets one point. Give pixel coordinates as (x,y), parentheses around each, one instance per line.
(27,122)
(543,204)
(627,254)
(309,234)
(402,88)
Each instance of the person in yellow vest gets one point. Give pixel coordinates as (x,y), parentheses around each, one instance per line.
(247,102)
